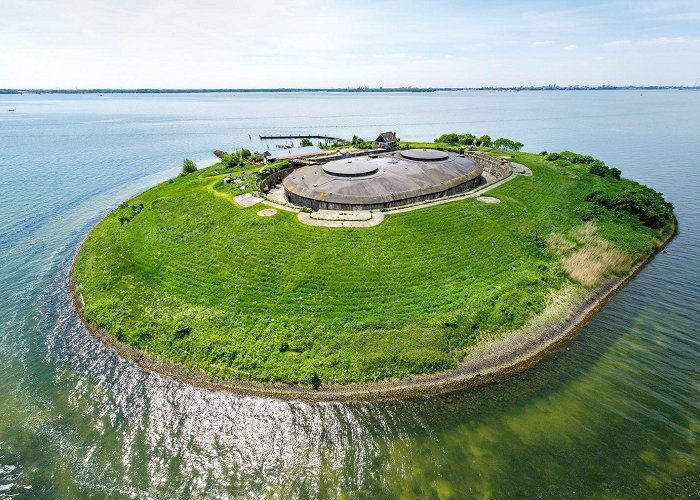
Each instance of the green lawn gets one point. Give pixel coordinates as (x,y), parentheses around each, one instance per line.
(196,279)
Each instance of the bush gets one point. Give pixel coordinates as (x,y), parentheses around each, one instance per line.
(245,153)
(595,166)
(128,212)
(188,166)
(306,142)
(182,329)
(315,380)
(601,170)
(231,161)
(641,201)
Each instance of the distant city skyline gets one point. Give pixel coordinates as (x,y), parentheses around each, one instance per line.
(300,44)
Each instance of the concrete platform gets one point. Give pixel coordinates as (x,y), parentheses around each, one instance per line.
(246,200)
(335,219)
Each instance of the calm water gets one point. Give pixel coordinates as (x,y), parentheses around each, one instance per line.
(615,414)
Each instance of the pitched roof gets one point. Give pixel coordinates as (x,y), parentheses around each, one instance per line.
(386,137)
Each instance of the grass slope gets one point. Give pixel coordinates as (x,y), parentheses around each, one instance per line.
(196,279)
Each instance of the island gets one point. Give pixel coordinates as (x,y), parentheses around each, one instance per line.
(364,270)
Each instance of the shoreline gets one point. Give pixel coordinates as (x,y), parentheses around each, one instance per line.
(523,351)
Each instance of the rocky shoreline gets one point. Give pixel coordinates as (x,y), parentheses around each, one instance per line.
(493,362)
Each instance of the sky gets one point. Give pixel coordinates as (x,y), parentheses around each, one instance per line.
(338,44)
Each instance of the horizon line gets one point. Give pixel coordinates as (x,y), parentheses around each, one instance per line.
(30,90)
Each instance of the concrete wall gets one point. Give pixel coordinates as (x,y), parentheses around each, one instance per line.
(322,205)
(495,166)
(275,178)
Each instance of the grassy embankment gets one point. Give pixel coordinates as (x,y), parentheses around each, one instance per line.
(198,280)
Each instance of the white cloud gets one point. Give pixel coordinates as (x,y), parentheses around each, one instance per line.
(679,16)
(665,41)
(617,43)
(314,43)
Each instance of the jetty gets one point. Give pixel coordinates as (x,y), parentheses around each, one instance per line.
(307,136)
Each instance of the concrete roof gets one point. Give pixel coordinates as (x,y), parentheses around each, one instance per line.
(396,178)
(350,167)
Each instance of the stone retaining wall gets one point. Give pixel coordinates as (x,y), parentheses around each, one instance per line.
(274,178)
(495,166)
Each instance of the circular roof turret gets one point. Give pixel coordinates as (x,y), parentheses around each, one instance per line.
(350,168)
(424,154)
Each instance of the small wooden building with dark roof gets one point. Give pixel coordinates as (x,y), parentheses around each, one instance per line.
(386,140)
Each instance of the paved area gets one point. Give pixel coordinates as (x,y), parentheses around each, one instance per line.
(246,200)
(341,215)
(335,219)
(276,194)
(521,169)
(489,199)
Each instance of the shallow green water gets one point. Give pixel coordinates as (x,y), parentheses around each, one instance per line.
(616,413)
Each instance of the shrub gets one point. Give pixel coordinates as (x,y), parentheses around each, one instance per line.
(182,329)
(128,212)
(306,142)
(188,166)
(601,170)
(315,380)
(641,201)
(231,161)
(245,153)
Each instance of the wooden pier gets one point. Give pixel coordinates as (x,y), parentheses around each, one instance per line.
(308,136)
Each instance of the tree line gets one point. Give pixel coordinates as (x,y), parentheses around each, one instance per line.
(481,141)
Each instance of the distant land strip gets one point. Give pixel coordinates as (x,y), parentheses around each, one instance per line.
(355,89)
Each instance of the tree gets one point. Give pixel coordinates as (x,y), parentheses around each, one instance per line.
(245,153)
(448,139)
(485,141)
(502,143)
(306,142)
(230,161)
(467,139)
(188,166)
(256,158)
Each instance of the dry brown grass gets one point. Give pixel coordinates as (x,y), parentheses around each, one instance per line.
(558,244)
(595,258)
